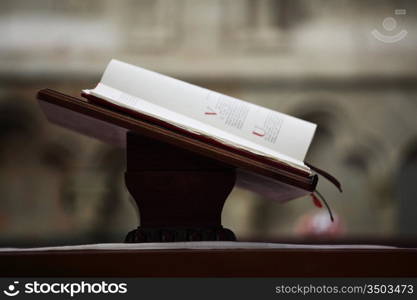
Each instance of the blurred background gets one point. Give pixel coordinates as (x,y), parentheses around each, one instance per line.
(349,66)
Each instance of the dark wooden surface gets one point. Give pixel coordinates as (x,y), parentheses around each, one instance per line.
(213,263)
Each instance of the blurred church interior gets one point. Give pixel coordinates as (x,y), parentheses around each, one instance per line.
(317,60)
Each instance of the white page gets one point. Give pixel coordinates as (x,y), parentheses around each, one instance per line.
(231,120)
(131,102)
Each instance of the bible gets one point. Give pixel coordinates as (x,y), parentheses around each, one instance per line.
(202,112)
(277,140)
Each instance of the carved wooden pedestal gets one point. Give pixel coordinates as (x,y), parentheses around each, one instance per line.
(180,194)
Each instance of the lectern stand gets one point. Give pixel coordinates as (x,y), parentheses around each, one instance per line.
(180,194)
(179,180)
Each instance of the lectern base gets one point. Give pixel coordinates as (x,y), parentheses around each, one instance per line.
(172,234)
(179,194)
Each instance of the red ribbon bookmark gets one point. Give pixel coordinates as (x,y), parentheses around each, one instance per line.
(316,201)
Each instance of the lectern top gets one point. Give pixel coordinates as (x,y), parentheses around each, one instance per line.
(110,124)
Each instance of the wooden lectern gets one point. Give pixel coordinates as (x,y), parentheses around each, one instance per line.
(180,183)
(179,180)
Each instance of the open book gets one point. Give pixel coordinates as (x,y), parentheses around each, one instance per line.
(200,111)
(266,148)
